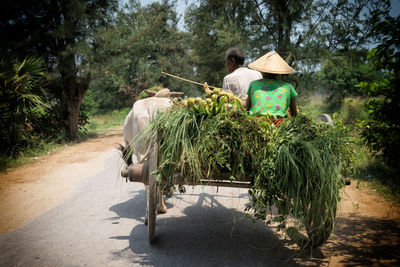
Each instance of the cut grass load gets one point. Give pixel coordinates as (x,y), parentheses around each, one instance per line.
(295,167)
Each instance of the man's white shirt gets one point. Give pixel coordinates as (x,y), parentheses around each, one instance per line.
(239,80)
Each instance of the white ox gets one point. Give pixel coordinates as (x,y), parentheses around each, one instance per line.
(138,118)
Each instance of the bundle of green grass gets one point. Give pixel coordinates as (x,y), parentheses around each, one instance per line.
(295,167)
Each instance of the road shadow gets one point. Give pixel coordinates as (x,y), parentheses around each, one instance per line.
(206,235)
(366,241)
(134,208)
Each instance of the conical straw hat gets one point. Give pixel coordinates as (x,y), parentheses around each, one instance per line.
(271,63)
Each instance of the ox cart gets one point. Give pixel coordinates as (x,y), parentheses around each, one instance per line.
(146,173)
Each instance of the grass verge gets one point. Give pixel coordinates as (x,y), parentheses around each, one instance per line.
(98,124)
(378,177)
(30,155)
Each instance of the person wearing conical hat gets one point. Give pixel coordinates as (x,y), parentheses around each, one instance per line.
(270,95)
(240,77)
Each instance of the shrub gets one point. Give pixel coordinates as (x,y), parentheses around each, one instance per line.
(381,131)
(353,111)
(22,93)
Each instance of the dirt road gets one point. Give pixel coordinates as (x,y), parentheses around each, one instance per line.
(70,208)
(32,189)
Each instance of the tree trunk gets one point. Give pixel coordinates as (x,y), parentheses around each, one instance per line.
(285,21)
(74,88)
(73,116)
(75,93)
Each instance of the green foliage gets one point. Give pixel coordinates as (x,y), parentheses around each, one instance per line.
(39,147)
(22,100)
(375,173)
(143,95)
(214,30)
(353,111)
(104,95)
(61,32)
(303,32)
(311,104)
(118,53)
(99,122)
(130,54)
(339,76)
(381,131)
(302,177)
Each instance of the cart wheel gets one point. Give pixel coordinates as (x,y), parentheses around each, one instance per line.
(152,194)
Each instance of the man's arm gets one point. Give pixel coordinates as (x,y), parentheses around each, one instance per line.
(224,85)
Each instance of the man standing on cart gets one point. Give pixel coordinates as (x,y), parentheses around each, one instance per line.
(239,79)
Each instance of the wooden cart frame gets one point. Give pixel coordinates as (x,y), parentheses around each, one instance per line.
(145,173)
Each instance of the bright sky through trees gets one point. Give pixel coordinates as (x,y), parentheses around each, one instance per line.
(180,8)
(182,4)
(395,11)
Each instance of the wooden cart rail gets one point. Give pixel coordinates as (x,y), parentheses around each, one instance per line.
(139,173)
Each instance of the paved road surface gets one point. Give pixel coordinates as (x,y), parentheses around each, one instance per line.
(101,224)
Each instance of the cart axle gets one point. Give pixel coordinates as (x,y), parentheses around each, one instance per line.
(136,173)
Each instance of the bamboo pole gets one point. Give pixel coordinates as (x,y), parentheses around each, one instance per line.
(186,80)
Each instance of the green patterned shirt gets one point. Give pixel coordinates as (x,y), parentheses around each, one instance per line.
(270,96)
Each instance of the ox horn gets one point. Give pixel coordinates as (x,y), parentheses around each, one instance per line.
(150,93)
(177,94)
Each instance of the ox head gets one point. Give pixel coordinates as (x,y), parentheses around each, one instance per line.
(164,93)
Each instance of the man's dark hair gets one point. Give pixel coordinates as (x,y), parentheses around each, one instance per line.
(236,54)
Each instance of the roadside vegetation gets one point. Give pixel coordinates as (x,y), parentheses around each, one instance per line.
(100,123)
(368,168)
(66,80)
(30,155)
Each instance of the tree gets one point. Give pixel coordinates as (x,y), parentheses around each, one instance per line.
(340,74)
(306,30)
(60,31)
(214,30)
(303,32)
(382,129)
(130,55)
